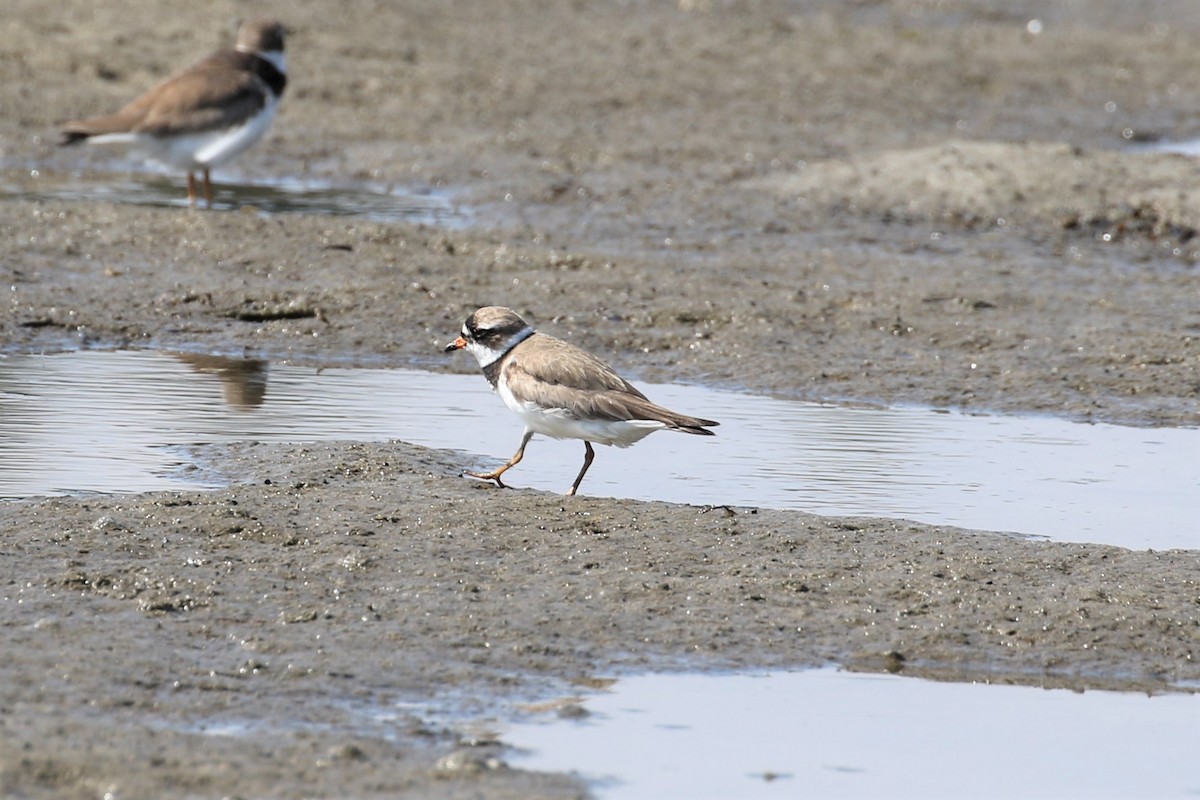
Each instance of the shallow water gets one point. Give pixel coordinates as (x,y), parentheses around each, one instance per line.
(825,733)
(1185,147)
(100,421)
(374,202)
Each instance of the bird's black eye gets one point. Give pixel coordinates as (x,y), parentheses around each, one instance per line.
(474,331)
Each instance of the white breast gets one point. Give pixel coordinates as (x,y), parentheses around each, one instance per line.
(194,151)
(230,143)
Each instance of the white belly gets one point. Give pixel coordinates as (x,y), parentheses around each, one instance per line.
(194,151)
(558,423)
(234,141)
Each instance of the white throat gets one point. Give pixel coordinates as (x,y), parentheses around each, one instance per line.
(487,356)
(278,58)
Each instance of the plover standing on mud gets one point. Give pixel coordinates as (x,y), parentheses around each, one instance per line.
(204,115)
(561,391)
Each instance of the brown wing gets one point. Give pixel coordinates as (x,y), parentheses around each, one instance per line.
(220,91)
(556,374)
(554,362)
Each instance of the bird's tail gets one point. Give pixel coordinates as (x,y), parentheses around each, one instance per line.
(70,137)
(696,425)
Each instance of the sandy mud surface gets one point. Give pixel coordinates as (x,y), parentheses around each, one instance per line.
(893,202)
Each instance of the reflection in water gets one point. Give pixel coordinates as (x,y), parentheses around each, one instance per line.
(118,422)
(1188,147)
(824,733)
(366,201)
(243,380)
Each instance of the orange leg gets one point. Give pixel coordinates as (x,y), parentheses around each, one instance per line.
(588,455)
(207,188)
(494,475)
(191,190)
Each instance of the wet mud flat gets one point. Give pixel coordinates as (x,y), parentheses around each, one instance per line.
(291,619)
(878,202)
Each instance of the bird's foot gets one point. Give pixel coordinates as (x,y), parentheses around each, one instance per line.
(488,476)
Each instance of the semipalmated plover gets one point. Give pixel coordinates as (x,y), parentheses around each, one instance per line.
(561,391)
(204,115)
